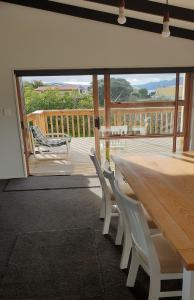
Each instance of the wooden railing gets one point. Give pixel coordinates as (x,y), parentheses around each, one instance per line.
(80,122)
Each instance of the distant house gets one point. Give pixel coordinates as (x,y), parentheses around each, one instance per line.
(69,88)
(168,92)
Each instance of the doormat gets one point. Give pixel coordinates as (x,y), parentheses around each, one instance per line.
(51,183)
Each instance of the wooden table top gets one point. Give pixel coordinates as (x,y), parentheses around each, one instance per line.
(165,186)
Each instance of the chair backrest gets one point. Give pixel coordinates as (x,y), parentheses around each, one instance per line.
(98,168)
(38,135)
(139,228)
(118,130)
(109,174)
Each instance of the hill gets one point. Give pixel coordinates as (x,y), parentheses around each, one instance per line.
(155,85)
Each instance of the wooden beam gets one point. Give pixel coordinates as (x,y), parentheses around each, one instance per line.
(100,16)
(144,104)
(23,122)
(176,109)
(136,136)
(153,8)
(188,110)
(96,115)
(107,113)
(107,100)
(100,71)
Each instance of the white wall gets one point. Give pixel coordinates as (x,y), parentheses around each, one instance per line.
(34,39)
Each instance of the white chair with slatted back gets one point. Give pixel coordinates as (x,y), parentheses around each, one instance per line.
(124,228)
(108,205)
(108,173)
(152,252)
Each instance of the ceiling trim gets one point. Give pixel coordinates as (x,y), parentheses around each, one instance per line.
(104,17)
(154,8)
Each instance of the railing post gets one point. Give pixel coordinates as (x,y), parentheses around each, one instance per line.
(39,120)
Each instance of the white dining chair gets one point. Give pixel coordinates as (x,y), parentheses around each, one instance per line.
(109,207)
(124,227)
(153,252)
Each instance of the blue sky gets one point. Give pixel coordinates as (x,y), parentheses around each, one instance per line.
(134,79)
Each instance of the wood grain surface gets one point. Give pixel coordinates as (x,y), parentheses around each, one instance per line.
(165,186)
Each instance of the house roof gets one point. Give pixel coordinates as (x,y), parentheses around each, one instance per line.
(65,87)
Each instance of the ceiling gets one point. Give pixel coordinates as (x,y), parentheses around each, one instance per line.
(144,15)
(180,3)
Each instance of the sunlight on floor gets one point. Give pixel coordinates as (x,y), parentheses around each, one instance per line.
(77,161)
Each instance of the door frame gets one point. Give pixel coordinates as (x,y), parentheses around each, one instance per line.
(22,121)
(24,124)
(106,72)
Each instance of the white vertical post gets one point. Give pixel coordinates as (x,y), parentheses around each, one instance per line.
(188,285)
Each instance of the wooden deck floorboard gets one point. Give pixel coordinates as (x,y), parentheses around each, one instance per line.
(77,161)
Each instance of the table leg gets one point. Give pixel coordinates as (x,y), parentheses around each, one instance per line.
(188,285)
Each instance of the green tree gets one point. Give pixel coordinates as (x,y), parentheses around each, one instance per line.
(143,93)
(120,90)
(37,83)
(51,99)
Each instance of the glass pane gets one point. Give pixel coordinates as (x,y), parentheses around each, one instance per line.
(179,144)
(180,122)
(182,87)
(142,87)
(142,121)
(101,98)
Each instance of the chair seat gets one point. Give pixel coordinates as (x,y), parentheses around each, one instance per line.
(125,189)
(169,259)
(149,219)
(58,142)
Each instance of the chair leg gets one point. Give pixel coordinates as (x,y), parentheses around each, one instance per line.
(67,144)
(154,291)
(134,266)
(102,209)
(108,213)
(120,231)
(127,245)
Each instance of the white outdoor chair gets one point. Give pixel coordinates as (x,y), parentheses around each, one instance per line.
(115,130)
(124,231)
(120,130)
(109,206)
(153,252)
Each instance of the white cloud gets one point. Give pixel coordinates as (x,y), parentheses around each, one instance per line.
(61,79)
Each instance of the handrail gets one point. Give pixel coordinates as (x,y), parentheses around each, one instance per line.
(80,122)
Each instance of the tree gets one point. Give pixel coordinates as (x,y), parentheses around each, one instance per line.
(143,93)
(37,83)
(52,99)
(120,90)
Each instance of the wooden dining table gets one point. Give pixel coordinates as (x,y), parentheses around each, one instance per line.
(165,186)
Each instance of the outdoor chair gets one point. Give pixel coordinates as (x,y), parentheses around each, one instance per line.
(109,206)
(153,252)
(125,233)
(114,130)
(40,139)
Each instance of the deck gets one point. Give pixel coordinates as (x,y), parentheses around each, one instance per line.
(77,161)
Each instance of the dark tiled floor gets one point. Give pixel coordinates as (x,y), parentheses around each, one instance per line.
(51,247)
